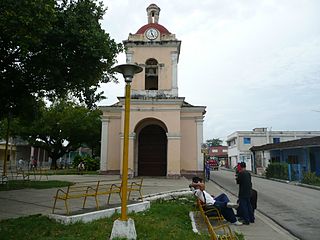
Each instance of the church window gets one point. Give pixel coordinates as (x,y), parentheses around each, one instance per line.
(151,74)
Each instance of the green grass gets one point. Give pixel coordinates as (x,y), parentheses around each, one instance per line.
(164,220)
(20,184)
(68,171)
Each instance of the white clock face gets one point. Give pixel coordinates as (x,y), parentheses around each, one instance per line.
(151,33)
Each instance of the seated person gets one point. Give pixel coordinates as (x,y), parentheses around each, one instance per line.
(81,167)
(221,202)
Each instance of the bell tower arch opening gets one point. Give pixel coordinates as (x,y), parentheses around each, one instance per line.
(151,74)
(151,146)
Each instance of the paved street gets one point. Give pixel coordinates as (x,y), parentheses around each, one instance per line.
(295,208)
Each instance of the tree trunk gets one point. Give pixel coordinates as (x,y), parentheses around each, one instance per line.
(53,163)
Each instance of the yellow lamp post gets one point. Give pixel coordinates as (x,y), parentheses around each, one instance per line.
(124,227)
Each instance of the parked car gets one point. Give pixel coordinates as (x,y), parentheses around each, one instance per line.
(214,164)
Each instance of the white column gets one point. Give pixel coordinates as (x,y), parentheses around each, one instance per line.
(131,157)
(31,155)
(38,157)
(174,76)
(199,142)
(173,154)
(104,144)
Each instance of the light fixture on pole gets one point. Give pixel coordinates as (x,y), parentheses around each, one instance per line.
(124,227)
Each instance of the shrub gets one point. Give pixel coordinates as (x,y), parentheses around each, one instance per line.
(311,178)
(277,170)
(77,159)
(91,164)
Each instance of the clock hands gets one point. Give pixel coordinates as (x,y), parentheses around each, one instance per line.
(152,34)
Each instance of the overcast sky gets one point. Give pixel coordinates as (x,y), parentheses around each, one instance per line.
(253,63)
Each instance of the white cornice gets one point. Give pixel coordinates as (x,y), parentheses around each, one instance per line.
(155,101)
(193,109)
(142,109)
(173,136)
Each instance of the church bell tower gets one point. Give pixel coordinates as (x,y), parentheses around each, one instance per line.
(155,49)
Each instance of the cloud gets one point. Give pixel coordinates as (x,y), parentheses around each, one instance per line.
(255,63)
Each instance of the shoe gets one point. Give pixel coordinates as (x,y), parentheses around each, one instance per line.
(237,223)
(245,223)
(232,205)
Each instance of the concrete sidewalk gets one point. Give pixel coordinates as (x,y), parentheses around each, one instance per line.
(264,228)
(19,203)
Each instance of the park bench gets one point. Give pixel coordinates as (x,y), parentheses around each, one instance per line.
(95,189)
(134,185)
(105,188)
(214,222)
(24,174)
(18,173)
(74,191)
(40,171)
(4,180)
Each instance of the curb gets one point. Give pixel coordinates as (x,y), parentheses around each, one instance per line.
(91,216)
(167,195)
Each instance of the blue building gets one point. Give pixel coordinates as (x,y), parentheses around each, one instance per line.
(302,155)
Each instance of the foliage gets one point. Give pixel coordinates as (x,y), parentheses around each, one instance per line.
(61,128)
(91,164)
(311,178)
(52,48)
(240,236)
(164,220)
(214,142)
(21,184)
(277,170)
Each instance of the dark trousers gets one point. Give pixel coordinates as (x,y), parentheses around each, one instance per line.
(246,210)
(221,204)
(208,174)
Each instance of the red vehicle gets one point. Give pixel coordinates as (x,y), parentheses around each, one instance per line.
(214,164)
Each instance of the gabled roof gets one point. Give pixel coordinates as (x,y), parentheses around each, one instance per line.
(303,142)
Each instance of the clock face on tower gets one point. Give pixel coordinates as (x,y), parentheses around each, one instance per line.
(151,33)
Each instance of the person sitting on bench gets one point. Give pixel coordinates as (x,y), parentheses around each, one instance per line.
(221,202)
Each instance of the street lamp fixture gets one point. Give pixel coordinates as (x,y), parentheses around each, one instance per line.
(128,71)
(124,227)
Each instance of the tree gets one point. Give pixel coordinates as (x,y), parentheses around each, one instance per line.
(61,128)
(52,49)
(21,30)
(214,142)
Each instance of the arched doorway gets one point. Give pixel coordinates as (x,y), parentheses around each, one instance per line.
(152,151)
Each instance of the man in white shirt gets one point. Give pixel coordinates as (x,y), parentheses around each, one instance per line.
(221,202)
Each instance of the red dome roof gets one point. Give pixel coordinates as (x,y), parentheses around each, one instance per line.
(157,26)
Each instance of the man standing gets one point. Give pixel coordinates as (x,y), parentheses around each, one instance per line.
(20,164)
(207,169)
(245,187)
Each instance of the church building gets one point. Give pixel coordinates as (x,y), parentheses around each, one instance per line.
(165,132)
